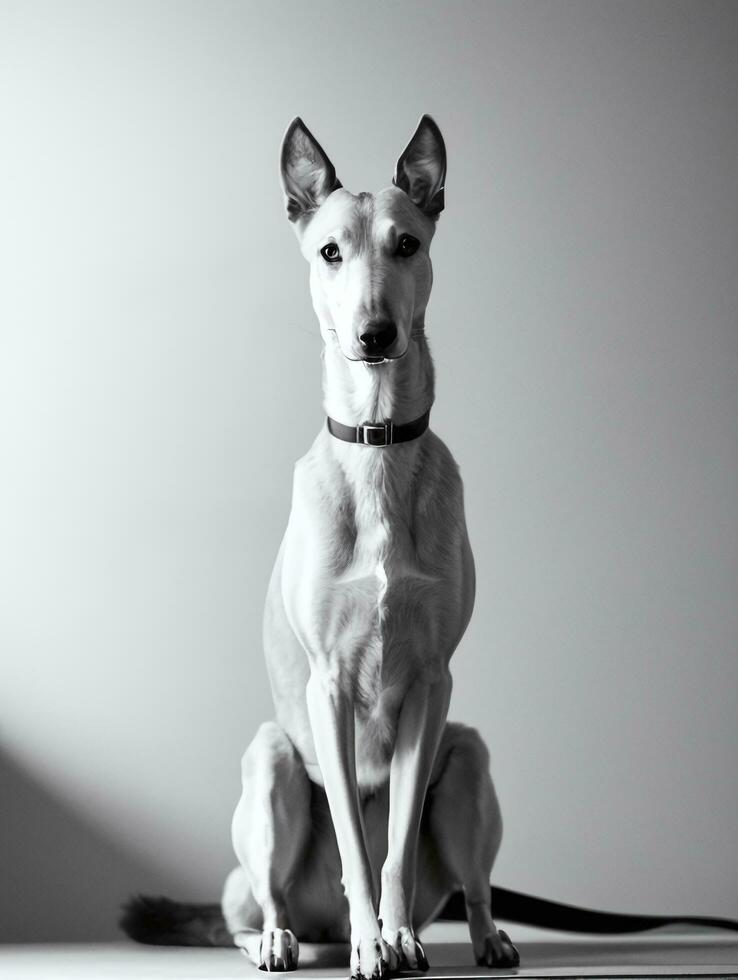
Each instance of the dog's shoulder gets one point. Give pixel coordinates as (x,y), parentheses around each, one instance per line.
(438,481)
(319,477)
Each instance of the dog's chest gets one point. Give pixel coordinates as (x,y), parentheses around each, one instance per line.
(374,578)
(381,593)
(375,636)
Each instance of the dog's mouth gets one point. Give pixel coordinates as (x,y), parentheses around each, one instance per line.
(372,360)
(383,359)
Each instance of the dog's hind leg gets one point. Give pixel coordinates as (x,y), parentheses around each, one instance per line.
(270,831)
(462,825)
(241,912)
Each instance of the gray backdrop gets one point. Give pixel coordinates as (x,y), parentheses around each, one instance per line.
(155,321)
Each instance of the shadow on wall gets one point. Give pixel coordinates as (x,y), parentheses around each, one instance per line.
(62,879)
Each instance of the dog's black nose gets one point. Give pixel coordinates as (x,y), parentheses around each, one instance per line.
(378,338)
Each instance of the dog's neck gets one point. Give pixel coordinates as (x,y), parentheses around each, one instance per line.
(354,392)
(401,390)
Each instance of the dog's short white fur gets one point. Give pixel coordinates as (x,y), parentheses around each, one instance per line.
(363,809)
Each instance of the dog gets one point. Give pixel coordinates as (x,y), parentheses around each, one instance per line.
(363,809)
(364,812)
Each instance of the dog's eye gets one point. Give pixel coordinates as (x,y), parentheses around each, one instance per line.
(331,252)
(407,245)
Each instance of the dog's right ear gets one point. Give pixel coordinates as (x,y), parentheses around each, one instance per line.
(308,176)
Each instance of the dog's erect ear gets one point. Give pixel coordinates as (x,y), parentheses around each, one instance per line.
(421,169)
(308,176)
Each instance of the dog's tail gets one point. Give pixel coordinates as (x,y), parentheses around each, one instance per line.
(162,922)
(528,910)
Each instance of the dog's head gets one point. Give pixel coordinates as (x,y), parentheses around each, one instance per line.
(370,271)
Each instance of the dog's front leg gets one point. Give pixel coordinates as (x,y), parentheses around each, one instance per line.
(332,721)
(421,723)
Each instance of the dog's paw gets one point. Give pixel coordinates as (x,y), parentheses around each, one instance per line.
(496,949)
(407,947)
(372,959)
(278,951)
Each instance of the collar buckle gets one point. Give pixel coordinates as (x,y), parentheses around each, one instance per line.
(375,433)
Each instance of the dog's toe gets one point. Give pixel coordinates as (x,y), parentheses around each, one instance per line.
(373,959)
(279,950)
(407,947)
(498,951)
(512,955)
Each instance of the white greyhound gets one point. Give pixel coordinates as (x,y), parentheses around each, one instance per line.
(361,790)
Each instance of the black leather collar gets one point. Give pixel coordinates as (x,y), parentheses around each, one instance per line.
(379,434)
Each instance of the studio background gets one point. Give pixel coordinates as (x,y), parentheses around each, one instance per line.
(160,374)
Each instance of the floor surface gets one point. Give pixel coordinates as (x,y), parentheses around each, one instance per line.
(663,953)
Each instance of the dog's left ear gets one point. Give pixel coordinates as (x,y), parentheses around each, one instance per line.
(421,169)
(308,176)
